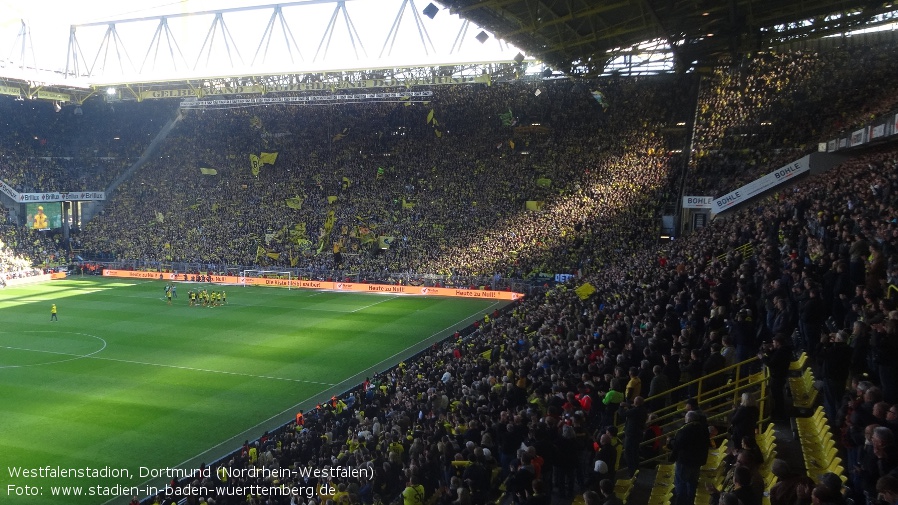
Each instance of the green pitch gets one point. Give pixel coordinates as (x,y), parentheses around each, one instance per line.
(123,380)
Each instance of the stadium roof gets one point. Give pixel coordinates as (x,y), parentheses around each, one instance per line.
(60,50)
(61,43)
(580,36)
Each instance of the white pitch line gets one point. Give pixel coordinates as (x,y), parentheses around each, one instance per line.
(170,366)
(373,304)
(74,356)
(294,407)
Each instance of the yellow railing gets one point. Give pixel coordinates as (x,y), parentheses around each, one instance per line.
(716,403)
(745,250)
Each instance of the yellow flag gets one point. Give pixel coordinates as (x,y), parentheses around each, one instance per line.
(329,221)
(254,164)
(438,133)
(430,116)
(406,204)
(331,199)
(294,203)
(273,255)
(585,290)
(511,144)
(298,233)
(268,158)
(209,171)
(544,183)
(535,205)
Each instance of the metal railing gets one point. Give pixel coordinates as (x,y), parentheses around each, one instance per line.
(745,250)
(716,402)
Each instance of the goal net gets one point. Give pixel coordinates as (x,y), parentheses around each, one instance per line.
(265,274)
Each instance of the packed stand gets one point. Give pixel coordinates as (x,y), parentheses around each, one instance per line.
(450,188)
(23,252)
(46,151)
(762,111)
(12,265)
(524,406)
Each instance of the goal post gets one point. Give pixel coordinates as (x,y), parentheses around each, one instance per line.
(266,274)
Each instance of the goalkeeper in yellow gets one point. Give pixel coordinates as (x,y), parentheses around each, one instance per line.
(41,222)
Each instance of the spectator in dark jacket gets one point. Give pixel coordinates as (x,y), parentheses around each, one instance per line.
(690,449)
(743,332)
(714,363)
(659,384)
(634,418)
(834,357)
(777,359)
(811,315)
(783,322)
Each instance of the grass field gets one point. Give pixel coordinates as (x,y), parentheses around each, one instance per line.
(124,381)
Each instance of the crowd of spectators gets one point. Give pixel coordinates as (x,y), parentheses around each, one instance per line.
(765,110)
(13,266)
(42,150)
(468,176)
(23,251)
(524,405)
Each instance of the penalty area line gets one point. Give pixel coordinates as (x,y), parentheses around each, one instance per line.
(178,367)
(208,370)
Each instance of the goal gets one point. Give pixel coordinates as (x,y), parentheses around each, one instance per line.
(266,274)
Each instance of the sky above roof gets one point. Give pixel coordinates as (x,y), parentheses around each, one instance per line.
(316,35)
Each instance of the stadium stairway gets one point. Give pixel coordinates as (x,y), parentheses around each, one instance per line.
(797,446)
